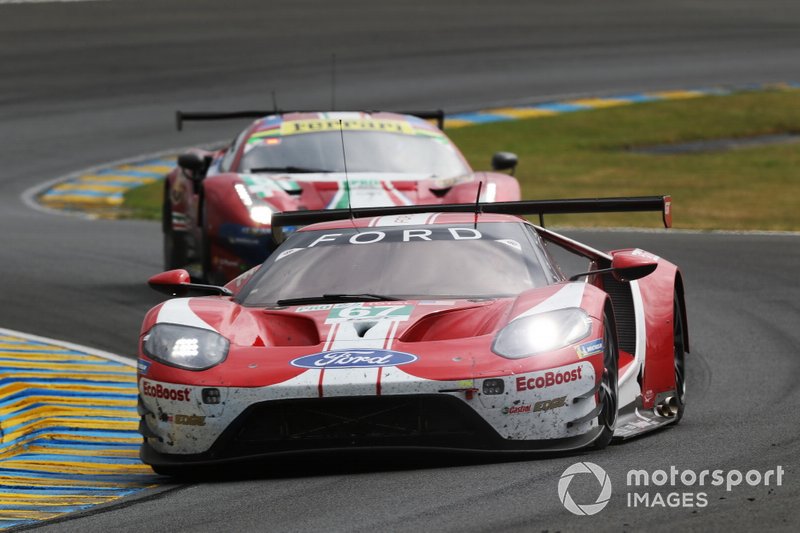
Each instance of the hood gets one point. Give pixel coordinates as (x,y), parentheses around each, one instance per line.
(444,338)
(366,189)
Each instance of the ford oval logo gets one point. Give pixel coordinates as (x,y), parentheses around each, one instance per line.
(354,358)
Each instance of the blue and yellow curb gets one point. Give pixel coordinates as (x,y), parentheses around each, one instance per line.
(68,429)
(105,188)
(100,191)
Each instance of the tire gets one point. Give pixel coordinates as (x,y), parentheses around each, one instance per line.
(175,247)
(608,396)
(679,358)
(208,275)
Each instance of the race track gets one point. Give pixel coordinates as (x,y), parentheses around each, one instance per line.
(87,82)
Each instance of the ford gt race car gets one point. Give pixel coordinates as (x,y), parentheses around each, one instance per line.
(218,206)
(398,328)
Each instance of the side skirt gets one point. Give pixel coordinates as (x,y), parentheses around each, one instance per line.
(634,421)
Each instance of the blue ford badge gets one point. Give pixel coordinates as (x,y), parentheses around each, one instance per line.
(354,358)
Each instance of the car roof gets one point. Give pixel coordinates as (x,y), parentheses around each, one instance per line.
(417,219)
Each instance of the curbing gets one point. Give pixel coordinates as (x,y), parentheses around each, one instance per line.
(68,429)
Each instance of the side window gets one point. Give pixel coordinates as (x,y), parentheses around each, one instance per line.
(233,149)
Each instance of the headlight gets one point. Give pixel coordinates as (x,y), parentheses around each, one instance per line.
(185,346)
(542,332)
(259,212)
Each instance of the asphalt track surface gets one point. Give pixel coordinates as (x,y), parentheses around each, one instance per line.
(84,83)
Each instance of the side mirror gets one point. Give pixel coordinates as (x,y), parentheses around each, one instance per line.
(629,266)
(194,165)
(626,266)
(504,161)
(178,283)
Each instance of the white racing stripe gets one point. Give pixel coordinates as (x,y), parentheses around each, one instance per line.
(177,311)
(570,295)
(344,335)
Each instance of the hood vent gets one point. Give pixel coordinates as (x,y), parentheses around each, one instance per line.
(363,327)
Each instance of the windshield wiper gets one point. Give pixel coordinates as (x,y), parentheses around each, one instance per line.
(290,169)
(337,298)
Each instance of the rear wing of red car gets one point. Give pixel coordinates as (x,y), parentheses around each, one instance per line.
(662,204)
(196,116)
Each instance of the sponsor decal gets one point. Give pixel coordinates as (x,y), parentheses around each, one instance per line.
(354,359)
(548,379)
(517,409)
(187,420)
(546,405)
(590,348)
(288,252)
(408,235)
(538,407)
(177,191)
(292,127)
(437,302)
(156,390)
(312,308)
(366,312)
(143,366)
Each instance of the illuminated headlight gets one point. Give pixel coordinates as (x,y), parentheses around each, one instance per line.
(260,213)
(185,346)
(542,332)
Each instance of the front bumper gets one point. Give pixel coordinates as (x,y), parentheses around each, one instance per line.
(180,428)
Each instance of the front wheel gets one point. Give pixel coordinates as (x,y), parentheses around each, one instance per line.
(175,245)
(608,395)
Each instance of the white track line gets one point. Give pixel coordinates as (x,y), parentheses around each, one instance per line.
(69,345)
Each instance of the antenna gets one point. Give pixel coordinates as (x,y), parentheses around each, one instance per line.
(346,179)
(274,102)
(333,82)
(478,203)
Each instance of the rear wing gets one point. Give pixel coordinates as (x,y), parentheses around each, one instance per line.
(196,116)
(662,204)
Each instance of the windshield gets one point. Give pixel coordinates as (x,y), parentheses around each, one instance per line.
(367,151)
(412,262)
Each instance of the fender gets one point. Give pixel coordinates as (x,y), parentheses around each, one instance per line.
(657,295)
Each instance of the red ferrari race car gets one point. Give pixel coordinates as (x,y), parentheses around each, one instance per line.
(218,206)
(404,329)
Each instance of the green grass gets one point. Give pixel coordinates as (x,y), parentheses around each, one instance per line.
(144,202)
(585,154)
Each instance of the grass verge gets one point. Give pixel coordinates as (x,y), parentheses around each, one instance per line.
(588,154)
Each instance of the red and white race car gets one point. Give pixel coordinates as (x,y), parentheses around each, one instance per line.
(400,328)
(218,206)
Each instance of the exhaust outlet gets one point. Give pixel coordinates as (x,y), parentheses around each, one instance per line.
(667,407)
